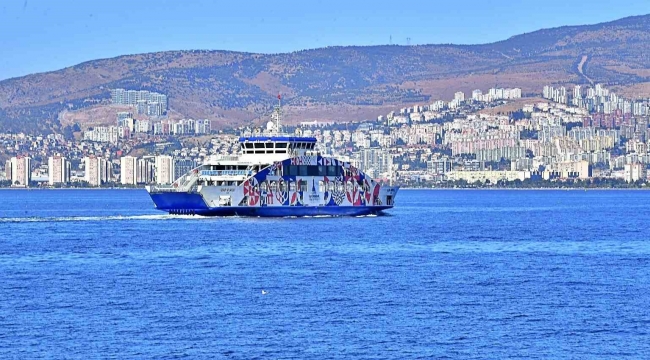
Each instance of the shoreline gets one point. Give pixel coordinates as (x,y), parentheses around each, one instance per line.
(401,189)
(523,189)
(72,188)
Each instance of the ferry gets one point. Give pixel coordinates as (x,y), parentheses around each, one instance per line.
(277,175)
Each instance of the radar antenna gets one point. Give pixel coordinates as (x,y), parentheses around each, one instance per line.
(277,115)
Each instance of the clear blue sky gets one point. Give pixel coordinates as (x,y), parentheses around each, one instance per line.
(44,35)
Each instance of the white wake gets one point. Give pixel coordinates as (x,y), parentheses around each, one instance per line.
(99,218)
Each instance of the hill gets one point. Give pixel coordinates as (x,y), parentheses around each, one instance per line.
(337,83)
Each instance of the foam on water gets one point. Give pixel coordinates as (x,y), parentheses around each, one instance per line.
(38,219)
(98,218)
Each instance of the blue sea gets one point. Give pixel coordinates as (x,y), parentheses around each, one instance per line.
(445,274)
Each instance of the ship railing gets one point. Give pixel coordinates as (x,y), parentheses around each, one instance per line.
(185,183)
(296,153)
(163,188)
(226,173)
(224,158)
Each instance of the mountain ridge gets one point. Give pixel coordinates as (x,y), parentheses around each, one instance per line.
(234,88)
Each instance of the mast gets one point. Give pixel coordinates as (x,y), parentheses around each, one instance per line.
(278,115)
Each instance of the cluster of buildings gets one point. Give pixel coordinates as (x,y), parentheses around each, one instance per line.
(182,127)
(145,102)
(18,171)
(43,154)
(596,99)
(442,141)
(376,162)
(161,169)
(453,142)
(493,94)
(438,109)
(107,134)
(97,171)
(127,126)
(496,94)
(552,141)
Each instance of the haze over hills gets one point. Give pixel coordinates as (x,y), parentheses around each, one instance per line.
(338,83)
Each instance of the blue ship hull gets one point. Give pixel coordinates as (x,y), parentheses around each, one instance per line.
(193,204)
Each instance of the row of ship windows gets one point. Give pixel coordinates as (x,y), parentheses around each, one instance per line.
(302,185)
(274,148)
(272,145)
(270,151)
(312,170)
(282,186)
(218,183)
(225,167)
(288,170)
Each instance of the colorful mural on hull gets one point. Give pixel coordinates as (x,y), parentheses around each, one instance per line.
(299,186)
(347,186)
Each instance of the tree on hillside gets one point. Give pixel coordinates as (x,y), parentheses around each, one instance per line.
(68,133)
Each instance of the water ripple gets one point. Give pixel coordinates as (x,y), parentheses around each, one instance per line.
(448,274)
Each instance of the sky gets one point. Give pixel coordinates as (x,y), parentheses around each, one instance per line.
(46,35)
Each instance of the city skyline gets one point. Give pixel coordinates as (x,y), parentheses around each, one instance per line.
(578,134)
(275,27)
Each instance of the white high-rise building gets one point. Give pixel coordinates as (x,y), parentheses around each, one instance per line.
(459,96)
(97,170)
(577,92)
(145,171)
(164,166)
(20,171)
(375,161)
(58,170)
(142,126)
(128,170)
(634,172)
(601,91)
(202,126)
(8,170)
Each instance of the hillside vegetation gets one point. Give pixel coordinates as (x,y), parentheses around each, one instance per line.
(235,88)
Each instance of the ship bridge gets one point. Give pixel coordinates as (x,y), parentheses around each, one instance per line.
(285,146)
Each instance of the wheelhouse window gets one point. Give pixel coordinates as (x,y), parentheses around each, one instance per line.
(302,170)
(333,170)
(281,148)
